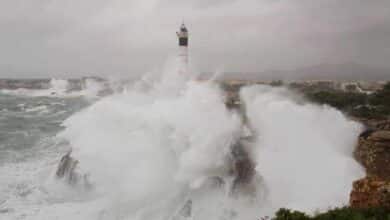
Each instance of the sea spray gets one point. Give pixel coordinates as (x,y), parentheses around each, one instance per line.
(89,88)
(154,146)
(304,151)
(152,149)
(166,142)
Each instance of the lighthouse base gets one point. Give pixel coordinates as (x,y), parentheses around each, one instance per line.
(183,59)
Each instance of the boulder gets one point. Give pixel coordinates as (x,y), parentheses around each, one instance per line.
(370,192)
(66,168)
(373,152)
(67,171)
(380,136)
(243,167)
(383,125)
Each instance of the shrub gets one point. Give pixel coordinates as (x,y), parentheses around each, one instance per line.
(345,213)
(371,106)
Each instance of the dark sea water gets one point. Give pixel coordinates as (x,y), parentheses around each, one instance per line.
(29,148)
(26,121)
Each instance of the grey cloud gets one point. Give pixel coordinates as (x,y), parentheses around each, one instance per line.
(51,38)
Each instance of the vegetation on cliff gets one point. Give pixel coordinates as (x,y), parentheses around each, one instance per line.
(362,105)
(345,213)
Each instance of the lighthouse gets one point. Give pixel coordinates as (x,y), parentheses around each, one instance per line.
(183,47)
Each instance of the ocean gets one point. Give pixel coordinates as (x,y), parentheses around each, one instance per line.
(29,146)
(162,148)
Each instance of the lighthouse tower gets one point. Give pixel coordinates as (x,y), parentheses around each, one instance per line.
(183,48)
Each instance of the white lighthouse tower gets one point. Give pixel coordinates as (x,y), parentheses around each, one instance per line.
(183,48)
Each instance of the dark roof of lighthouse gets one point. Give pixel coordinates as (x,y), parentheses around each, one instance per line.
(183,28)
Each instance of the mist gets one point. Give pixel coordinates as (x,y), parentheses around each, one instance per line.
(303,151)
(157,145)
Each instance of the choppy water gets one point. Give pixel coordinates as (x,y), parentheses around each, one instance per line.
(25,121)
(28,144)
(151,148)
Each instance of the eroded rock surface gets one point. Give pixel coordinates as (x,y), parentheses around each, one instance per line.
(370,192)
(67,171)
(373,152)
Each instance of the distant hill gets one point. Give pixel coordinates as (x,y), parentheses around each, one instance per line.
(345,71)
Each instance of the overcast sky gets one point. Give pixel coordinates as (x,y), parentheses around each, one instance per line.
(84,37)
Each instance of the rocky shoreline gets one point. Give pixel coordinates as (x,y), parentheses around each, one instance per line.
(373,147)
(373,153)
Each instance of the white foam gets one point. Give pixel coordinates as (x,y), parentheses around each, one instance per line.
(39,108)
(182,137)
(151,148)
(304,151)
(60,88)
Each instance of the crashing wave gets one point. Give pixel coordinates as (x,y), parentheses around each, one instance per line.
(171,149)
(64,88)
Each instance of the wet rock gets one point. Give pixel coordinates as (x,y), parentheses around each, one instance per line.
(373,152)
(365,134)
(245,179)
(380,136)
(370,192)
(187,209)
(185,212)
(243,166)
(66,168)
(383,125)
(67,171)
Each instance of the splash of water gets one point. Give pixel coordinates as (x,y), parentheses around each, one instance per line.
(62,88)
(303,151)
(153,148)
(164,145)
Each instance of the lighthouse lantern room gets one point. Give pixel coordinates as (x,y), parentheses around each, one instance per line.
(183,36)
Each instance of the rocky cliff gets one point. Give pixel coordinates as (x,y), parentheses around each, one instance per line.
(373,152)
